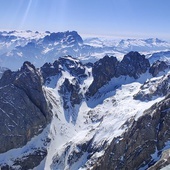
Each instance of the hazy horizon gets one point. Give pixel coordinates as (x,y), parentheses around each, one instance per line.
(111,18)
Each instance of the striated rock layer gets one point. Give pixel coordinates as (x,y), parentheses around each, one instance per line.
(24,111)
(135,149)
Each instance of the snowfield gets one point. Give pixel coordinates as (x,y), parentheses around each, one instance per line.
(99,124)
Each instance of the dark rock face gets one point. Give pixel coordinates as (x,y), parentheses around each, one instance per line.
(157,67)
(154,88)
(49,70)
(147,136)
(133,65)
(103,70)
(31,83)
(24,110)
(70,93)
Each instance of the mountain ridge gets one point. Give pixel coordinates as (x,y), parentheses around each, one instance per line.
(38,48)
(76,131)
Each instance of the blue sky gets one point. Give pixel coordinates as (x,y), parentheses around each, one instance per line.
(129,18)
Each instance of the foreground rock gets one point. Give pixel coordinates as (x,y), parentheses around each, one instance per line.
(142,144)
(24,111)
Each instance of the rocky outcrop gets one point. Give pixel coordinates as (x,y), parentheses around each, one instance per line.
(24,111)
(70,93)
(154,88)
(27,162)
(142,144)
(50,69)
(157,67)
(132,65)
(73,66)
(72,154)
(163,162)
(67,63)
(2,70)
(69,90)
(103,70)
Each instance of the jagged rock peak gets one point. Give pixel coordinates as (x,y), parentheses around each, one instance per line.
(69,60)
(69,91)
(22,101)
(102,70)
(28,66)
(50,69)
(72,65)
(67,37)
(64,64)
(157,67)
(133,64)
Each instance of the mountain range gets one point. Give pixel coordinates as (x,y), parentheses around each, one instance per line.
(38,48)
(83,112)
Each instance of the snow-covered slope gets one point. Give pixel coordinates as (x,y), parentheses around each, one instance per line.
(94,129)
(74,114)
(122,46)
(84,123)
(162,56)
(143,45)
(9,40)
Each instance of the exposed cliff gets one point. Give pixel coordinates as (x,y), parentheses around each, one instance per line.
(142,144)
(132,65)
(24,110)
